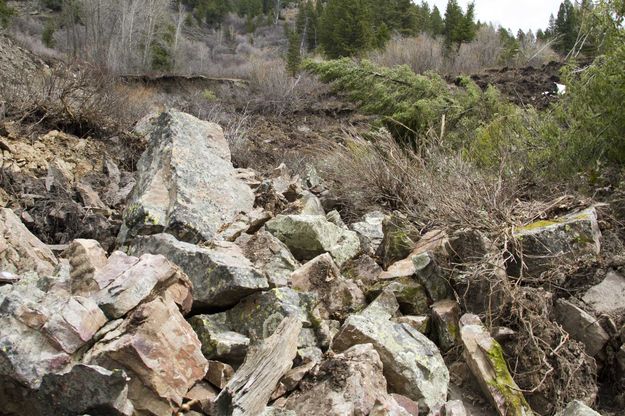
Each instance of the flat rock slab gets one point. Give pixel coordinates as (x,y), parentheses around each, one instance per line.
(577,408)
(567,238)
(221,275)
(186,185)
(582,326)
(608,296)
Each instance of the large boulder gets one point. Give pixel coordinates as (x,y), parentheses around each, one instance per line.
(160,353)
(308,236)
(269,255)
(370,231)
(20,250)
(221,275)
(345,384)
(413,365)
(568,238)
(187,185)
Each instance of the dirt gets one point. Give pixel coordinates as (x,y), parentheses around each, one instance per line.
(524,86)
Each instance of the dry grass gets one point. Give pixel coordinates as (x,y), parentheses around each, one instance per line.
(425,53)
(443,191)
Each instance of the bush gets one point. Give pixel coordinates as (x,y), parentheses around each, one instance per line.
(5,14)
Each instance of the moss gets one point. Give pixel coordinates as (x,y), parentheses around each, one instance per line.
(514,400)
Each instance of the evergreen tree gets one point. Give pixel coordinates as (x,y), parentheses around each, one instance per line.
(294,56)
(437,25)
(566,27)
(5,14)
(346,28)
(459,27)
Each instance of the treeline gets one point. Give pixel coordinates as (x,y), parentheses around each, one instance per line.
(213,12)
(349,27)
(564,30)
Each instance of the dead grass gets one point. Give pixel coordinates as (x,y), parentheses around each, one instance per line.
(443,191)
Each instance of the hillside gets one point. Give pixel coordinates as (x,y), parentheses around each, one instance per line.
(255,216)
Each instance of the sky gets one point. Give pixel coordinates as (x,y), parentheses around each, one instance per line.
(511,14)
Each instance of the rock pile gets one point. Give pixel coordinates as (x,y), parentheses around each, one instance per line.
(232,294)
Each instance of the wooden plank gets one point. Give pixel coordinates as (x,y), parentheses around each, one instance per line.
(251,387)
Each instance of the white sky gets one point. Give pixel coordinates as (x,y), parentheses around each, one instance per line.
(511,14)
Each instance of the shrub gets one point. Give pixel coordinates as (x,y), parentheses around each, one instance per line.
(6,13)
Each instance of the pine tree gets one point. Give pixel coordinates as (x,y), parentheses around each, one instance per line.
(566,27)
(294,55)
(437,25)
(454,24)
(346,28)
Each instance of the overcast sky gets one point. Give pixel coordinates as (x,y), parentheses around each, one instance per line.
(511,14)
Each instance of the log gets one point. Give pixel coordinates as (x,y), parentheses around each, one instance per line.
(251,387)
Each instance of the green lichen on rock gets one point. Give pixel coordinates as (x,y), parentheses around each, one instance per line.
(515,402)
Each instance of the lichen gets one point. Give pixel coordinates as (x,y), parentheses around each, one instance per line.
(515,402)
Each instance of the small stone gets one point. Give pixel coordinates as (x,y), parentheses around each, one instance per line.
(445,317)
(370,231)
(420,323)
(454,408)
(218,341)
(201,397)
(218,374)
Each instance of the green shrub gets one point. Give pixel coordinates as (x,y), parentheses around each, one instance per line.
(6,13)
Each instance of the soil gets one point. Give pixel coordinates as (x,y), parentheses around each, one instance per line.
(524,86)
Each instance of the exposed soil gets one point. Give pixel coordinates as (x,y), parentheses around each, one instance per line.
(524,86)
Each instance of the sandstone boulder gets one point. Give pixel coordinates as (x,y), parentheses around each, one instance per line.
(187,185)
(160,353)
(20,250)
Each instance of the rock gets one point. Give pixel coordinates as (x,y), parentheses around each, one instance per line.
(581,326)
(420,323)
(454,408)
(86,257)
(467,245)
(409,405)
(242,223)
(363,269)
(270,256)
(200,397)
(399,239)
(90,198)
(413,365)
(620,359)
(335,218)
(250,389)
(60,177)
(160,353)
(74,323)
(412,297)
(370,231)
(291,379)
(282,180)
(423,268)
(65,394)
(308,204)
(127,281)
(218,341)
(257,316)
(187,185)
(310,354)
(308,236)
(221,275)
(274,411)
(608,297)
(346,384)
(336,296)
(485,358)
(388,406)
(577,408)
(219,374)
(570,237)
(20,250)
(445,317)
(8,278)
